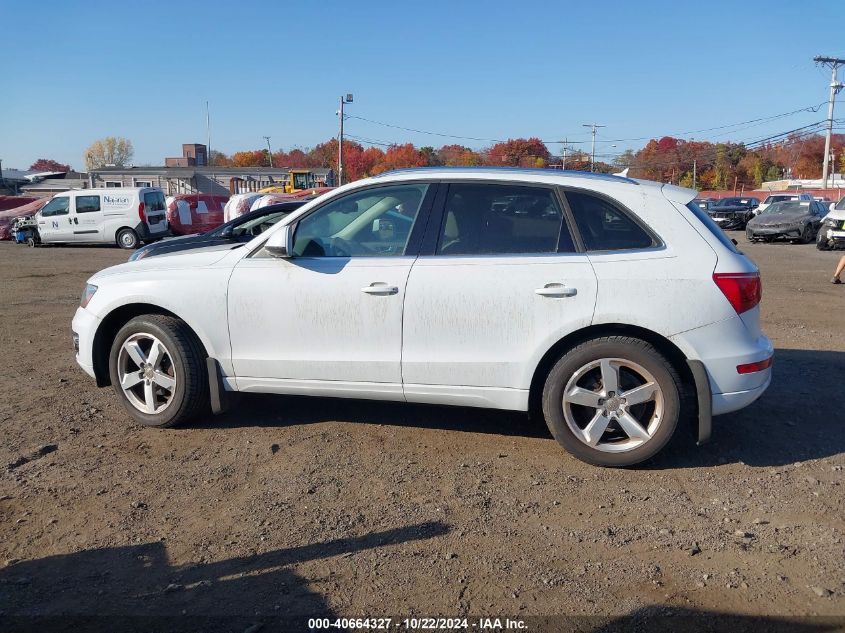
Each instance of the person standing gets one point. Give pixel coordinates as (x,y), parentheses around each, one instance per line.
(839,268)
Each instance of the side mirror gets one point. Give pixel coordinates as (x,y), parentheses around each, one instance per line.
(280,243)
(227,232)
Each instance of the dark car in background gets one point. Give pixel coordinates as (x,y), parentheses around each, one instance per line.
(241,229)
(733,213)
(796,220)
(704,203)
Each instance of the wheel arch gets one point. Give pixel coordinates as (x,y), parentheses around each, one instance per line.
(109,327)
(679,360)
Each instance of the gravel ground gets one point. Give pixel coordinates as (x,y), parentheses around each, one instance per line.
(291,506)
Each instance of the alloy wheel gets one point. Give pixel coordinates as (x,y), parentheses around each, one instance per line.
(613,405)
(146,373)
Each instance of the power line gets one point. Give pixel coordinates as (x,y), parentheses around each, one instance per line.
(814,108)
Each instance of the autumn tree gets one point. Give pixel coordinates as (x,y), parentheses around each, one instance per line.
(111,150)
(250,158)
(458,156)
(519,152)
(219,159)
(48,164)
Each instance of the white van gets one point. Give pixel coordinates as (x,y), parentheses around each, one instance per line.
(124,216)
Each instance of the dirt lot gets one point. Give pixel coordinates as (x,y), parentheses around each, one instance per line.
(291,506)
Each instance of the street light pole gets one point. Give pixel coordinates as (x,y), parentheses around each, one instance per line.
(343,101)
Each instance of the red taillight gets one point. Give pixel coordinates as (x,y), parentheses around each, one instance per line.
(750,368)
(141,212)
(742,290)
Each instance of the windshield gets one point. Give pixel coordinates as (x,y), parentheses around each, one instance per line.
(773,199)
(840,205)
(791,207)
(253,226)
(730,202)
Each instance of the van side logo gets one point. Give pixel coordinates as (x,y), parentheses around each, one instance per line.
(116,201)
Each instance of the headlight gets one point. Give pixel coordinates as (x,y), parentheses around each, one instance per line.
(831,223)
(87,294)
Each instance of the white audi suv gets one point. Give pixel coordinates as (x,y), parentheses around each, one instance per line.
(612,307)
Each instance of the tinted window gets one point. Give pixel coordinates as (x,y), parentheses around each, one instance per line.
(484,219)
(604,227)
(712,227)
(256,226)
(56,206)
(371,223)
(87,204)
(154,201)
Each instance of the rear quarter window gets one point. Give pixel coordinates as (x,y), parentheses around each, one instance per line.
(154,201)
(605,227)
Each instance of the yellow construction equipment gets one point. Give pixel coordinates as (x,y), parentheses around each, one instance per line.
(298,180)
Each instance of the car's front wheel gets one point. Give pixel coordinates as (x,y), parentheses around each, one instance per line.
(157,368)
(612,401)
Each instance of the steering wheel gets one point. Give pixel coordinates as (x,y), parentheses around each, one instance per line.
(343,248)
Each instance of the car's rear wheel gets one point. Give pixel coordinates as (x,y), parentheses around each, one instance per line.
(128,239)
(157,368)
(612,401)
(807,234)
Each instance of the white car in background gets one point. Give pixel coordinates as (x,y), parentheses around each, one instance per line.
(613,307)
(782,197)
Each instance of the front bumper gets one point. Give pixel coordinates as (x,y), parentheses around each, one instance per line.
(83,327)
(791,232)
(730,223)
(835,236)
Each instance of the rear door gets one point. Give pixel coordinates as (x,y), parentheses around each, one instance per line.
(155,210)
(88,218)
(499,281)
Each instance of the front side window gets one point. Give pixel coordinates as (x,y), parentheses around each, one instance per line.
(604,227)
(371,223)
(87,204)
(56,206)
(492,219)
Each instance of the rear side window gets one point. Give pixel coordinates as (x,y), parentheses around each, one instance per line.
(605,227)
(87,204)
(154,201)
(491,219)
(712,227)
(56,206)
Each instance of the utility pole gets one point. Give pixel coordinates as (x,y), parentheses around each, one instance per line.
(835,86)
(269,151)
(693,173)
(566,142)
(343,101)
(594,126)
(207,136)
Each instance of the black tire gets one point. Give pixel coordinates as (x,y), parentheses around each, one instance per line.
(128,239)
(190,398)
(30,241)
(822,242)
(807,235)
(614,347)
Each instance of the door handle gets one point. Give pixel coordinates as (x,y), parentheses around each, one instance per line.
(556,290)
(380,288)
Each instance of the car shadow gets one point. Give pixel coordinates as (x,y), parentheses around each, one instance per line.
(273,410)
(135,587)
(797,419)
(669,619)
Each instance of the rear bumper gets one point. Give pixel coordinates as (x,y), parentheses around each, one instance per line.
(716,351)
(728,402)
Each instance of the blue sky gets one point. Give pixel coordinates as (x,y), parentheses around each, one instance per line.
(476,69)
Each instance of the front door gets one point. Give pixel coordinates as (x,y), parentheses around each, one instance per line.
(332,313)
(55,223)
(503,284)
